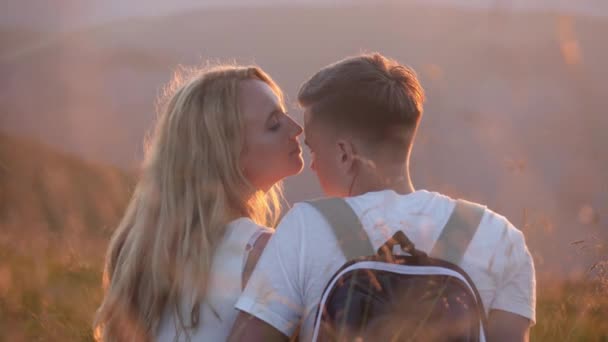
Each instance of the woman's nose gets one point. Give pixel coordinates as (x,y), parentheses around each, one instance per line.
(297,129)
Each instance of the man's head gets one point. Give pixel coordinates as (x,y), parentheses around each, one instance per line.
(361,114)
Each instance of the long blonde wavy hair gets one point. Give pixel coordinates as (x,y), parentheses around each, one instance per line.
(190,187)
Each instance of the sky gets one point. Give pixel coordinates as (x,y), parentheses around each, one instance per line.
(65,15)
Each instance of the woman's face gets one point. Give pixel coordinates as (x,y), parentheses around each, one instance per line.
(271,149)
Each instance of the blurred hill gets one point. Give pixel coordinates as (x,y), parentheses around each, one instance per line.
(515,116)
(56,215)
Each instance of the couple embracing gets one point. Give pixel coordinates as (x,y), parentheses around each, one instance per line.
(194,258)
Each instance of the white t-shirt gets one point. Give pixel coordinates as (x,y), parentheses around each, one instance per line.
(217,312)
(303,254)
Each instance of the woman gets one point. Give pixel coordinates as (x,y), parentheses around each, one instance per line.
(210,183)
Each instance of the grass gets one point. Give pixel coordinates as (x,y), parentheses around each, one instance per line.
(57,303)
(572,311)
(56,214)
(50,302)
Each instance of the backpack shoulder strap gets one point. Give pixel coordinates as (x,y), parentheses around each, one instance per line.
(347,228)
(458,232)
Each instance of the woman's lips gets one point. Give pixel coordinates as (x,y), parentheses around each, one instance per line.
(296,150)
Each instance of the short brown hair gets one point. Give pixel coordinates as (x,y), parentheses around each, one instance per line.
(371,95)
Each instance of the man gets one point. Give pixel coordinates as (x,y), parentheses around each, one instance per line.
(361,116)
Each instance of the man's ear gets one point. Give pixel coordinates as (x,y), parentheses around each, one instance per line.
(347,154)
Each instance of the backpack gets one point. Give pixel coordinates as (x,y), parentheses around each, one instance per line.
(383,296)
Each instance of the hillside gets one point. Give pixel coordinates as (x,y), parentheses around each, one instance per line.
(56,215)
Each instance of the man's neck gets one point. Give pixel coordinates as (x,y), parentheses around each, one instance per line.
(391,178)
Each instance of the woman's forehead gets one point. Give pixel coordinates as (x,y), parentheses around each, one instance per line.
(257,100)
(257,93)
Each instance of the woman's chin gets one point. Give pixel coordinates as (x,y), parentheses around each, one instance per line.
(295,166)
(298,165)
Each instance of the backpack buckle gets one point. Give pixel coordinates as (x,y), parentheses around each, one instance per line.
(399,238)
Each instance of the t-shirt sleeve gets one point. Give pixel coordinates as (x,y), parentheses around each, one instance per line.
(516,291)
(273,293)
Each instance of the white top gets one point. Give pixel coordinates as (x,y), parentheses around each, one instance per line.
(303,254)
(224,288)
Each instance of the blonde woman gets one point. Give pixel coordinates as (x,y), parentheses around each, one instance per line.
(210,184)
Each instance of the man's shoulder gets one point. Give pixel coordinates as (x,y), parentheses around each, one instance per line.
(495,232)
(302,211)
(301,215)
(498,221)
(489,218)
(492,222)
